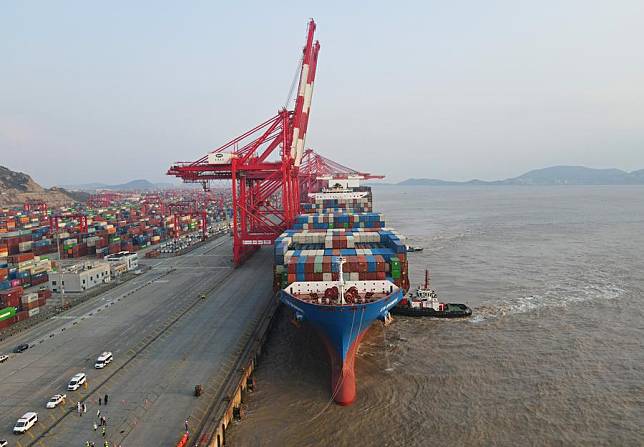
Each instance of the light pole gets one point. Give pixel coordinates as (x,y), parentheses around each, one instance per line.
(60,270)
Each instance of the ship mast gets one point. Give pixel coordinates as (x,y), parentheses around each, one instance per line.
(426,279)
(341,261)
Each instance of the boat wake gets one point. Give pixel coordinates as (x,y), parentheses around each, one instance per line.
(558,296)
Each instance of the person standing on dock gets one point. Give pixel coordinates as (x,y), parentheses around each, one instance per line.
(105,399)
(185,423)
(99,401)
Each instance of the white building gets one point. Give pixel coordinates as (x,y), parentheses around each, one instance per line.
(130,260)
(79,277)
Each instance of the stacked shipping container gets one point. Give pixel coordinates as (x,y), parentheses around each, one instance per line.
(309,251)
(15,305)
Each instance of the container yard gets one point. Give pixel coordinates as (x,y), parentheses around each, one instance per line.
(37,242)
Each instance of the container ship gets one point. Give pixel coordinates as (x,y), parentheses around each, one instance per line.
(339,269)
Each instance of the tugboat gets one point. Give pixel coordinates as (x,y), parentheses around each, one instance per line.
(412,249)
(425,304)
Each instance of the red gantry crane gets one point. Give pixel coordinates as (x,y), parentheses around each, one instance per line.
(54,222)
(315,169)
(104,199)
(188,208)
(263,164)
(37,205)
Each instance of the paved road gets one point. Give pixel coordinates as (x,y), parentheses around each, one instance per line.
(164,339)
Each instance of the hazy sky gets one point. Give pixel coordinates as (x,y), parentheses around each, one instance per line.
(112,91)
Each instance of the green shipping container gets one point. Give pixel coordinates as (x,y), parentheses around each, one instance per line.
(7,313)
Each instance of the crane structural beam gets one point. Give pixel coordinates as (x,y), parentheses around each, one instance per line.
(316,169)
(262,166)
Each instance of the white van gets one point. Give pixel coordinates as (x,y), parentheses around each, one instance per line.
(77,381)
(103,360)
(25,422)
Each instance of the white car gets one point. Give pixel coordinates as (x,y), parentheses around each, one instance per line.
(56,400)
(3,358)
(3,443)
(76,382)
(103,360)
(25,422)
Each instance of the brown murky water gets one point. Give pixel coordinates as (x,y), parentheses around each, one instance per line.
(553,356)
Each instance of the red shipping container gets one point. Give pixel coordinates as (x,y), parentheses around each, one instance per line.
(11,301)
(22,257)
(44,293)
(41,301)
(11,293)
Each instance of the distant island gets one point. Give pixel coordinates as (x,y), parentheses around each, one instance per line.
(134,185)
(555,175)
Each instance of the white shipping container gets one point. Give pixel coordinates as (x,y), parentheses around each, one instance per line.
(33,312)
(29,298)
(26,263)
(38,269)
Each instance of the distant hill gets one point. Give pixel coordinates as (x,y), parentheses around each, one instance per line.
(16,188)
(134,185)
(555,175)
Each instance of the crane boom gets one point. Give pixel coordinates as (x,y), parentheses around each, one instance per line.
(304,95)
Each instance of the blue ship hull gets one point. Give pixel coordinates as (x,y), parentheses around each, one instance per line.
(341,328)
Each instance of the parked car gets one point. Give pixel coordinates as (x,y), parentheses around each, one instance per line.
(56,400)
(103,360)
(25,422)
(3,358)
(20,348)
(3,443)
(76,382)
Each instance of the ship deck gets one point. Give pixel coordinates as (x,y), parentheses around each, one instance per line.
(363,298)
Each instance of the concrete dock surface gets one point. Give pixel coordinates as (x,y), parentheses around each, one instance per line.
(165,340)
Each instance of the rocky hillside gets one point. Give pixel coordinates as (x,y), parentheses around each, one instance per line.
(16,188)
